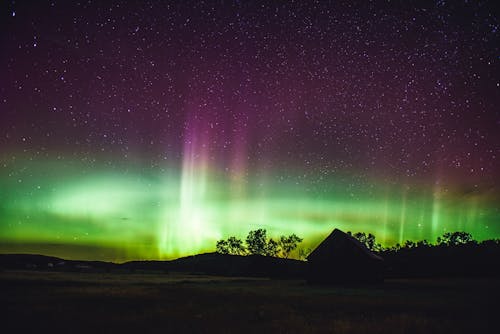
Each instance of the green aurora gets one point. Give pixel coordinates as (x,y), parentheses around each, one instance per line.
(106,214)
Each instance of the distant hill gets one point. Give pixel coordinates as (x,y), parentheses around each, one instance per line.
(27,261)
(42,262)
(227,265)
(208,263)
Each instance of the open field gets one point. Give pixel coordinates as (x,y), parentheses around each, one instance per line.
(105,303)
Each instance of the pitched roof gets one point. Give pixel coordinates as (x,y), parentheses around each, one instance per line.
(336,237)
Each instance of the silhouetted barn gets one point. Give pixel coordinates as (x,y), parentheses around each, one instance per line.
(340,258)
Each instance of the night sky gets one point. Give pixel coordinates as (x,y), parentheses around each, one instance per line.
(151,129)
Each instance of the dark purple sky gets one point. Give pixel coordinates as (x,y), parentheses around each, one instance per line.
(392,89)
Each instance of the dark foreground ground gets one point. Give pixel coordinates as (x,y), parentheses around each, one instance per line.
(124,303)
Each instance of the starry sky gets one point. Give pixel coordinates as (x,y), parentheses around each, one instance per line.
(151,129)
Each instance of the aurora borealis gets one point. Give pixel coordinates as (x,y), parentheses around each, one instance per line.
(151,129)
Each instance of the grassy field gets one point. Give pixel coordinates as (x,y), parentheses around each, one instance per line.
(174,303)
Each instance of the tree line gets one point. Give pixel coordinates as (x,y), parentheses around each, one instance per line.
(448,239)
(257,243)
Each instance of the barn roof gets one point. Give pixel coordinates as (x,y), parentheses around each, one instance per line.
(336,237)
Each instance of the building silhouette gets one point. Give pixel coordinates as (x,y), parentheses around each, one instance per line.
(340,258)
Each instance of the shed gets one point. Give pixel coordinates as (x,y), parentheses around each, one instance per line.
(340,258)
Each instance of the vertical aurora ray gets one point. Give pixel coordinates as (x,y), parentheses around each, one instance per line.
(238,164)
(189,226)
(436,208)
(402,218)
(193,219)
(385,221)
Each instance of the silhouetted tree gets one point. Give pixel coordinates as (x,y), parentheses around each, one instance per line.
(272,248)
(257,242)
(455,238)
(222,247)
(235,246)
(490,242)
(409,244)
(422,243)
(396,247)
(288,244)
(368,240)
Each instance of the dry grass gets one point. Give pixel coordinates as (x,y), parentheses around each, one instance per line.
(75,302)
